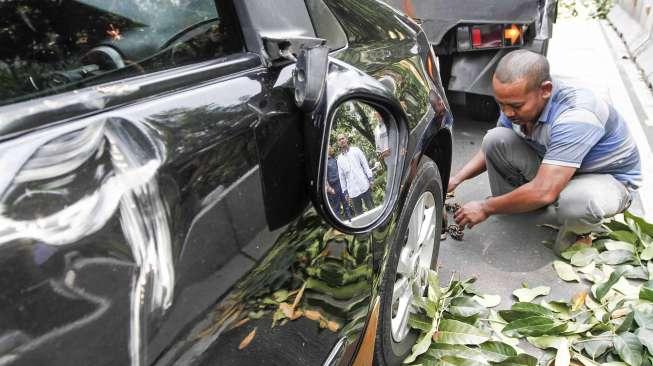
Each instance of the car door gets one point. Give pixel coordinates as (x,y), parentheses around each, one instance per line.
(133,197)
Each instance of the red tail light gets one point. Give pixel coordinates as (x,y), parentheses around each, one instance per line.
(487,36)
(476,37)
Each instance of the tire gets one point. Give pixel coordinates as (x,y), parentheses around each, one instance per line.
(426,190)
(482,107)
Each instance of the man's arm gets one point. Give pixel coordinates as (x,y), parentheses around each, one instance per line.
(473,168)
(343,179)
(544,189)
(363,163)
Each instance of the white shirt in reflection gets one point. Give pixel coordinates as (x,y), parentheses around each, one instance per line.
(355,174)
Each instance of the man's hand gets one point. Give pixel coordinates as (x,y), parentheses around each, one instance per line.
(470,214)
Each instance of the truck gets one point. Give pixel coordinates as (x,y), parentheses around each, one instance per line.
(469,37)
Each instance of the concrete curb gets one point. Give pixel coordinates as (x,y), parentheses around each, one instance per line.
(633,21)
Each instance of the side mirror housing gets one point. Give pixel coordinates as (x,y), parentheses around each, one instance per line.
(309,75)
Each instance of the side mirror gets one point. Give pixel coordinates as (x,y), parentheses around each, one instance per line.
(309,75)
(361,162)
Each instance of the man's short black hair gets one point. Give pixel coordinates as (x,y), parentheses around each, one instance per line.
(523,64)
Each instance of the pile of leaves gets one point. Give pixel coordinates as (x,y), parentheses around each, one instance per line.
(609,324)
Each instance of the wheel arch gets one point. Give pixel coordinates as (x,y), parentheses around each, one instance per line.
(440,149)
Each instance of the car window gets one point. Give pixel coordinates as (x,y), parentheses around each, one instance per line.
(50,46)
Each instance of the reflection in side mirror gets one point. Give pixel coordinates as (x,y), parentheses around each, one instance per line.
(361,161)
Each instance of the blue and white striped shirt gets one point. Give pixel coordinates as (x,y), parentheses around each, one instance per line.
(578,129)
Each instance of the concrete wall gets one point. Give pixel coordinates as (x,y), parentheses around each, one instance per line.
(633,20)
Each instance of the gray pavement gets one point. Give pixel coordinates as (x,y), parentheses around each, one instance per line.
(508,250)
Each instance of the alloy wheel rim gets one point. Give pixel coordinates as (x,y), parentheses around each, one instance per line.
(414,264)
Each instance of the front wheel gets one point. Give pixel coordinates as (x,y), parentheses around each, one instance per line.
(413,253)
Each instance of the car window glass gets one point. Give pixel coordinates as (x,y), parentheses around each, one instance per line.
(51,46)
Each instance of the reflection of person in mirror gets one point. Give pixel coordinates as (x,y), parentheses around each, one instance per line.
(355,175)
(337,198)
(381,141)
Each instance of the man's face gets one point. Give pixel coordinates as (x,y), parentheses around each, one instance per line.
(520,104)
(342,141)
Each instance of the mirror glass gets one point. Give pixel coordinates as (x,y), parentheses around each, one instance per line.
(361,161)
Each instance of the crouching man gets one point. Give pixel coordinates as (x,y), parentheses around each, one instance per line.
(553,144)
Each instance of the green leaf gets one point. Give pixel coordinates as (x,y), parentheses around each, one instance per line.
(626,288)
(439,350)
(623,235)
(634,272)
(545,342)
(646,291)
(645,336)
(619,245)
(643,225)
(584,256)
(433,292)
(430,307)
(577,328)
(597,309)
(422,344)
(519,360)
(584,360)
(626,324)
(455,332)
(532,308)
(603,288)
(629,348)
(533,327)
(489,301)
(421,322)
(575,248)
(588,268)
(565,271)
(614,257)
(458,361)
(616,224)
(597,347)
(471,320)
(528,294)
(647,253)
(644,316)
(497,351)
(464,307)
(560,307)
(522,310)
(497,327)
(512,315)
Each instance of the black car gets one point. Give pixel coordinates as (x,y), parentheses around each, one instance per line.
(218,183)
